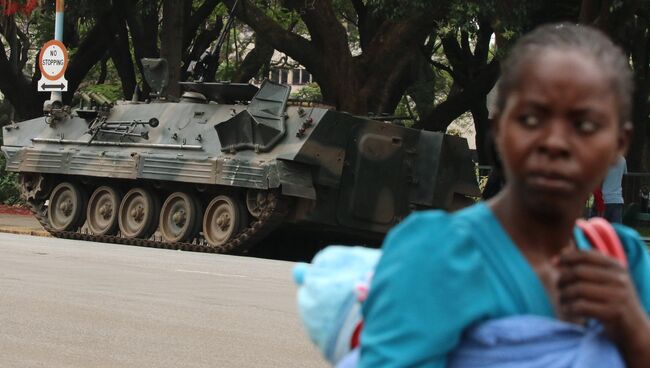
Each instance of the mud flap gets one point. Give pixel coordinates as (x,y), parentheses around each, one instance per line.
(296,179)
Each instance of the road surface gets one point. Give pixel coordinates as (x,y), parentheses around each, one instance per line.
(66,303)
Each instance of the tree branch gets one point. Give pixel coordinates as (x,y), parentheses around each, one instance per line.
(482,48)
(444,67)
(282,40)
(90,51)
(202,43)
(120,52)
(197,18)
(259,56)
(446,112)
(368,23)
(24,48)
(454,54)
(143,26)
(323,26)
(359,7)
(467,49)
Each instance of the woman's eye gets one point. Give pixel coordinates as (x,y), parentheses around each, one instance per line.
(529,121)
(586,126)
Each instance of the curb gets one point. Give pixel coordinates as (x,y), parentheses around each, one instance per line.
(24,231)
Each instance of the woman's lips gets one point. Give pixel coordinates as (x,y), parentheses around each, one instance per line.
(553,183)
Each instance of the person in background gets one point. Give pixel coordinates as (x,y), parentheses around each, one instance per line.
(613,191)
(598,208)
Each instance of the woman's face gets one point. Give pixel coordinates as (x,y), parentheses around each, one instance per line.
(559,132)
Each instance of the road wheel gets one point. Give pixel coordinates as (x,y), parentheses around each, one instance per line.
(102,211)
(138,214)
(222,220)
(255,201)
(180,217)
(66,211)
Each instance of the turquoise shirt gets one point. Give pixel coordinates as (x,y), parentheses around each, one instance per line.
(441,273)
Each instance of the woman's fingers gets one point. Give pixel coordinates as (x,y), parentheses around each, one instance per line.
(591,291)
(574,257)
(590,272)
(604,312)
(593,285)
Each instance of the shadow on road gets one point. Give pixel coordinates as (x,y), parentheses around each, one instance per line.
(300,245)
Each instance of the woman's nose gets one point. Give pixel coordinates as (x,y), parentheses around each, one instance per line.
(555,139)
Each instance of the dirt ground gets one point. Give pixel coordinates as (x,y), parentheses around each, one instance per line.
(14,210)
(19,220)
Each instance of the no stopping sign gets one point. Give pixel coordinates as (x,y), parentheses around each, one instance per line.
(53,62)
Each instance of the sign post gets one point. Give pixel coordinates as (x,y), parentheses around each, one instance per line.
(53,62)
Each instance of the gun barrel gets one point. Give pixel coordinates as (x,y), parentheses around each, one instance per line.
(99,98)
(84,96)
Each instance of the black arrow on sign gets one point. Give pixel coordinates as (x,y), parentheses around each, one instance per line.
(52,86)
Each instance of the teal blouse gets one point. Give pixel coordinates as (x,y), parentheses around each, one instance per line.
(441,273)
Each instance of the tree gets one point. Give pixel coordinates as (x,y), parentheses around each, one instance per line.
(474,74)
(372,80)
(21,90)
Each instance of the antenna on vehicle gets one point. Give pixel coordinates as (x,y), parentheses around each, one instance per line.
(199,69)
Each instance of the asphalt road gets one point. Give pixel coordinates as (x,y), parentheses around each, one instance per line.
(67,303)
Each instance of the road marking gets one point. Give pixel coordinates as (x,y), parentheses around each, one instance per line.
(213,274)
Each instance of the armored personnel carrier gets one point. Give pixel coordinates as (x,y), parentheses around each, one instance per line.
(223,166)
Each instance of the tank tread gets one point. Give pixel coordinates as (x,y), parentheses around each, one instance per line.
(270,218)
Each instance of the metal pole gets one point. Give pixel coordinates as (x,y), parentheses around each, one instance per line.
(58,35)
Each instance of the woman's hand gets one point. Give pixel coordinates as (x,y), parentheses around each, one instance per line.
(593,285)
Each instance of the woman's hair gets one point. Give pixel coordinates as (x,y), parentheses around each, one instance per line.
(588,41)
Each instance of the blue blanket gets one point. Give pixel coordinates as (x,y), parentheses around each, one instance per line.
(528,342)
(532,342)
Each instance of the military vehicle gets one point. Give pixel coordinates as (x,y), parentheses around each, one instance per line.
(223,166)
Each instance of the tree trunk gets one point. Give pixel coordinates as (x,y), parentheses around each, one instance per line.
(19,91)
(171,43)
(120,51)
(481,126)
(90,52)
(143,26)
(423,90)
(255,60)
(103,70)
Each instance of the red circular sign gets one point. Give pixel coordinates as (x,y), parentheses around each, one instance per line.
(53,60)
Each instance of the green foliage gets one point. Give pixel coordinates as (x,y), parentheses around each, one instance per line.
(9,192)
(406,109)
(112,91)
(309,92)
(226,71)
